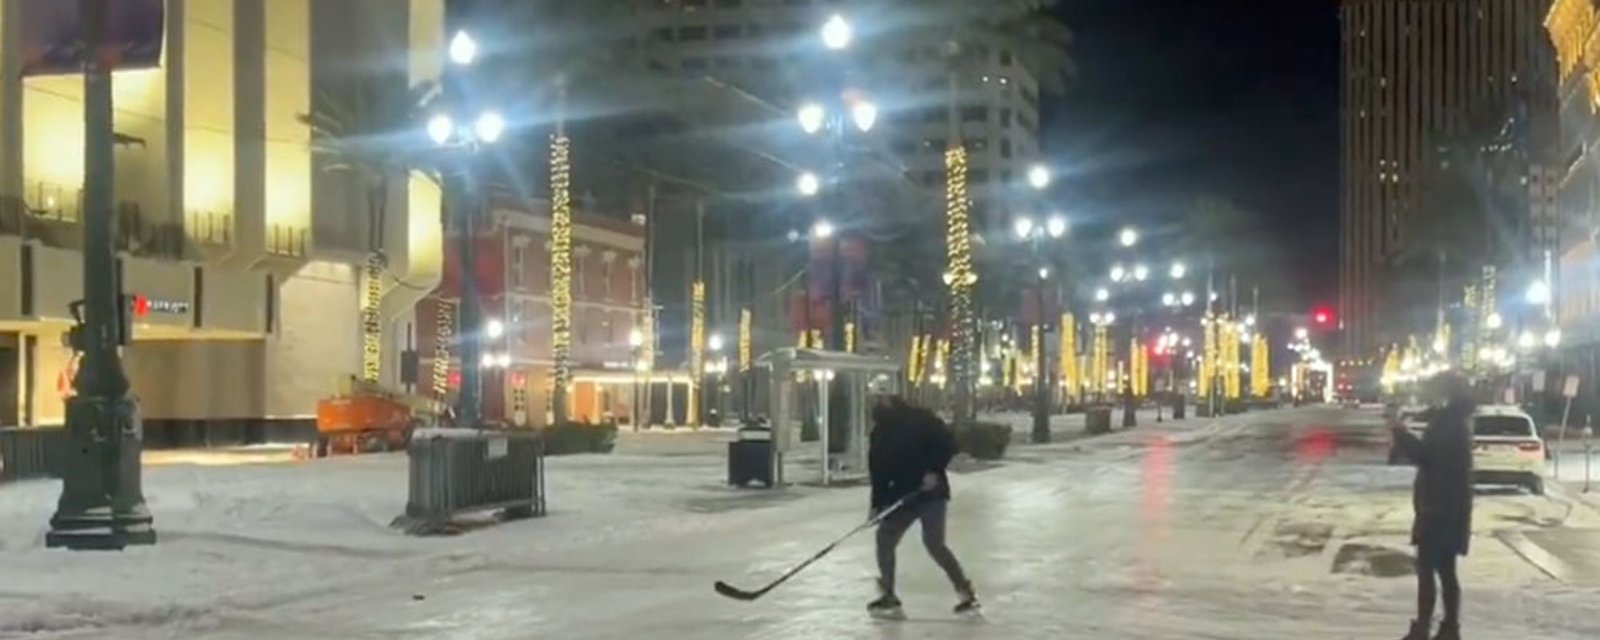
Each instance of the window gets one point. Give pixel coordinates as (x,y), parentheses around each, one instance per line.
(695,64)
(1005,148)
(974,114)
(519,266)
(1005,58)
(725,62)
(610,268)
(1005,118)
(934,143)
(664,34)
(978,176)
(1026,124)
(1007,178)
(1512,426)
(688,34)
(979,144)
(725,31)
(932,178)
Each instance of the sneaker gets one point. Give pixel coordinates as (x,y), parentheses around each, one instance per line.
(1448,631)
(886,606)
(969,600)
(1419,631)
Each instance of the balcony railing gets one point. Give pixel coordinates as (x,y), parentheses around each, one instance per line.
(209,228)
(287,241)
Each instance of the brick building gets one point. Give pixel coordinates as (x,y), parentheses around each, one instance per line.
(513,275)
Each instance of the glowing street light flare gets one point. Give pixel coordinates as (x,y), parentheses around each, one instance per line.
(1128,237)
(811,116)
(836,33)
(1044,273)
(1495,321)
(865,114)
(1023,227)
(636,338)
(714,342)
(441,128)
(808,184)
(1039,176)
(463,49)
(1187,298)
(1056,226)
(1141,272)
(1178,271)
(494,328)
(1102,294)
(1169,299)
(1552,338)
(490,126)
(1118,273)
(1539,292)
(822,229)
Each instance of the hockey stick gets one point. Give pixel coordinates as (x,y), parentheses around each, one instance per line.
(741,594)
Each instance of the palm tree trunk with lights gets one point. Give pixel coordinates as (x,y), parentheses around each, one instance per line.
(959,272)
(560,263)
(102,502)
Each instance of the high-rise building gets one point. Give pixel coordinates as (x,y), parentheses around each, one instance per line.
(245,251)
(1413,71)
(770,48)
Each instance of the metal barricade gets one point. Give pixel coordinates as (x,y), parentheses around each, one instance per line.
(458,471)
(31,452)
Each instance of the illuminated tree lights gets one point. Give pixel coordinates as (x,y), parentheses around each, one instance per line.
(372,318)
(1260,367)
(746,337)
(444,333)
(697,346)
(561,271)
(1069,356)
(958,245)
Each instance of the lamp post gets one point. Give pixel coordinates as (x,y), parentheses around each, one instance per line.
(102,500)
(635,343)
(1035,235)
(460,140)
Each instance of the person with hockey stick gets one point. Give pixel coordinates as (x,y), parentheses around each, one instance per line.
(907,454)
(1442,498)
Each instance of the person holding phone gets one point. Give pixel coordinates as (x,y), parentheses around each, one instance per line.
(1442,499)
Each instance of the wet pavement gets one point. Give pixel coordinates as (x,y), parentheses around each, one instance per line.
(1271,525)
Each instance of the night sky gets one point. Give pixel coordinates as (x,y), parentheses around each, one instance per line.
(1234,98)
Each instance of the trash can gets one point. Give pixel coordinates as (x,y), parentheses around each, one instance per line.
(750,457)
(1097,419)
(1180,406)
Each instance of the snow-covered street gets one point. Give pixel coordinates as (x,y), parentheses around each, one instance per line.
(1267,525)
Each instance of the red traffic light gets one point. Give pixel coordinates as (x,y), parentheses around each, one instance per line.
(1322,316)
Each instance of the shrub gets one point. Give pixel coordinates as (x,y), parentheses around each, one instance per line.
(984,440)
(579,437)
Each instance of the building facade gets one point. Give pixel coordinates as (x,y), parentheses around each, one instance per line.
(1574,27)
(1414,71)
(771,48)
(513,277)
(246,250)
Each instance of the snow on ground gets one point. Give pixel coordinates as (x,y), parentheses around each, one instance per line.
(1200,529)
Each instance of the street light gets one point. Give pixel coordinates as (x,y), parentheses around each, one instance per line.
(1552,338)
(811,117)
(808,184)
(463,49)
(490,126)
(715,342)
(1044,273)
(1039,176)
(1495,321)
(1539,292)
(440,128)
(865,113)
(1140,272)
(836,33)
(1023,227)
(1128,237)
(1056,226)
(1169,299)
(1102,294)
(494,328)
(1118,273)
(1301,333)
(635,338)
(822,230)
(1178,271)
(1187,298)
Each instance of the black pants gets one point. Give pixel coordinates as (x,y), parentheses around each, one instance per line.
(931,512)
(1437,561)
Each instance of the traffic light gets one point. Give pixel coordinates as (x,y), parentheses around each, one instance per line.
(1322,317)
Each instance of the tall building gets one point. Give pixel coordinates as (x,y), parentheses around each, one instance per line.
(770,48)
(1574,27)
(245,250)
(1413,71)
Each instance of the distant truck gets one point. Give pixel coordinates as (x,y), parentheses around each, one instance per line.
(1357,381)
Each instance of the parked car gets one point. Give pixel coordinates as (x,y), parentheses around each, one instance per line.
(1507,449)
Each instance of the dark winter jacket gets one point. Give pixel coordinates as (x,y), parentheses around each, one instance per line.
(907,443)
(1442,494)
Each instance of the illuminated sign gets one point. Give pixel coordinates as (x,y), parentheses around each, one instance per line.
(144,306)
(52,35)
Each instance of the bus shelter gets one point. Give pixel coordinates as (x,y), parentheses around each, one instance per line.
(792,370)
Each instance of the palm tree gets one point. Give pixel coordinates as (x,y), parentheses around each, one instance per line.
(368,127)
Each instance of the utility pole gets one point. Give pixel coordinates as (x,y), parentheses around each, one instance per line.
(102,501)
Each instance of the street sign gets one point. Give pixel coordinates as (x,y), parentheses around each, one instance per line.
(1570,389)
(1538,382)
